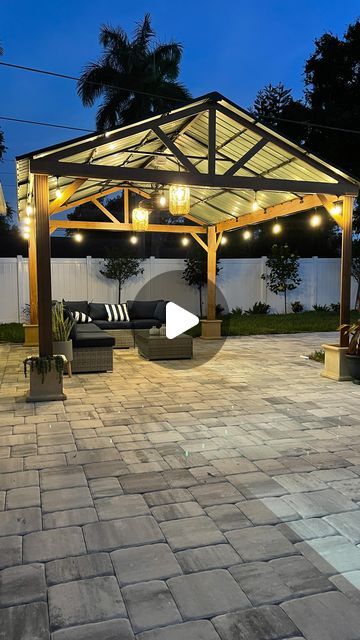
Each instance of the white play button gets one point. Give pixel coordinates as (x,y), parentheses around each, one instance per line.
(178,320)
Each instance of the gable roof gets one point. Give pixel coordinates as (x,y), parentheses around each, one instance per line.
(210,143)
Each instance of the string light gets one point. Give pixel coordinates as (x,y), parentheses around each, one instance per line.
(315,220)
(162,200)
(29,210)
(185,241)
(78,237)
(223,240)
(133,239)
(255,204)
(277,228)
(247,234)
(179,200)
(58,190)
(337,207)
(140,218)
(26,236)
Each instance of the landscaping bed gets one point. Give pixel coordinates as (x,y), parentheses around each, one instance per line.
(12,332)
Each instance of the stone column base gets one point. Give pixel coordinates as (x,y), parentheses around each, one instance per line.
(31,335)
(211,329)
(336,366)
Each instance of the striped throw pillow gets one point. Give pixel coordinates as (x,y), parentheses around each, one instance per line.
(81,318)
(117,312)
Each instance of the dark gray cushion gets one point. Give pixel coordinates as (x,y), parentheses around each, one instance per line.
(141,308)
(81,306)
(97,311)
(89,327)
(146,323)
(160,311)
(95,339)
(105,324)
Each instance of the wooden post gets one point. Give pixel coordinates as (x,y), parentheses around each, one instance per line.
(126,206)
(211,274)
(345,291)
(33,274)
(41,198)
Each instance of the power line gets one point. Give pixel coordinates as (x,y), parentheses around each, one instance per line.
(65,76)
(305,123)
(46,124)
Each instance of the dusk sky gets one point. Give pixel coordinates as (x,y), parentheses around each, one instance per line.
(233,47)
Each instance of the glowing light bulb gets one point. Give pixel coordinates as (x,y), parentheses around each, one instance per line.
(27,220)
(58,192)
(26,229)
(255,205)
(336,208)
(107,134)
(133,240)
(315,220)
(78,237)
(247,234)
(26,236)
(162,201)
(223,240)
(29,210)
(185,241)
(277,228)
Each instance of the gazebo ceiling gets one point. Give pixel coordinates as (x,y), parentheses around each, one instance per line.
(211,144)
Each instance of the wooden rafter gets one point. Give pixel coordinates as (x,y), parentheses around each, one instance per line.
(218,240)
(328,204)
(277,211)
(104,210)
(200,241)
(65,195)
(159,176)
(122,226)
(212,140)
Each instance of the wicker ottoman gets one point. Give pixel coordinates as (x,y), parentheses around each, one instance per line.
(161,348)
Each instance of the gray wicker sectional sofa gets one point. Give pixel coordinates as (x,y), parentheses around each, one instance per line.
(95,337)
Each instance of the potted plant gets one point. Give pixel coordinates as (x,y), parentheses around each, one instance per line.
(46,377)
(353,352)
(61,330)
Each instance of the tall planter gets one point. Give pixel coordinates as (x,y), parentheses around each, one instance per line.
(46,378)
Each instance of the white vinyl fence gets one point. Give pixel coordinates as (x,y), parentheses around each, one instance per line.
(239,283)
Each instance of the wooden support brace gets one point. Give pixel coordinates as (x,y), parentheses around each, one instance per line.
(104,210)
(200,241)
(219,238)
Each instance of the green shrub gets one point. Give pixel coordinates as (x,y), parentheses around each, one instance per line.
(259,308)
(323,308)
(237,311)
(335,307)
(318,355)
(297,306)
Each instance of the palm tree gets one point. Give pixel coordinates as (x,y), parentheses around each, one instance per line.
(135,78)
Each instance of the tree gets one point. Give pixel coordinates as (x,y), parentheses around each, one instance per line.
(355,270)
(283,271)
(195,274)
(121,268)
(2,139)
(274,105)
(149,67)
(332,81)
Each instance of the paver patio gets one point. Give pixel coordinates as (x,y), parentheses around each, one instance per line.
(215,499)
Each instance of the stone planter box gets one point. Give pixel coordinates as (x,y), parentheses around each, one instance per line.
(336,364)
(51,388)
(211,329)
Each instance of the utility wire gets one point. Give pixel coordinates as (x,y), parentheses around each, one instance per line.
(64,76)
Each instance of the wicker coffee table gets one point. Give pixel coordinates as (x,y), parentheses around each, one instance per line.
(161,348)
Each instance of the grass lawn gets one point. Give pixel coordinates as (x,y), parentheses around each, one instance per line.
(11,332)
(248,325)
(245,325)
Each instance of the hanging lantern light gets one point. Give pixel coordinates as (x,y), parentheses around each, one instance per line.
(140,218)
(179,200)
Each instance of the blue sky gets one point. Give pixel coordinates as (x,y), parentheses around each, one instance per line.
(234,47)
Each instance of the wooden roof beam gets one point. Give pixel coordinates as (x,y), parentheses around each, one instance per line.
(122,226)
(65,195)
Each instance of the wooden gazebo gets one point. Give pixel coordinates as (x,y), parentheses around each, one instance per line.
(227,158)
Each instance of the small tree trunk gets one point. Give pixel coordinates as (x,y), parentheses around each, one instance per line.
(119,292)
(357,301)
(285,301)
(200,302)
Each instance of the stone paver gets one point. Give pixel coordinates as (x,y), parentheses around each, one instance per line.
(22,585)
(139,564)
(128,532)
(78,568)
(25,622)
(180,472)
(260,543)
(52,544)
(197,630)
(109,630)
(191,532)
(268,622)
(85,601)
(207,594)
(328,616)
(149,605)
